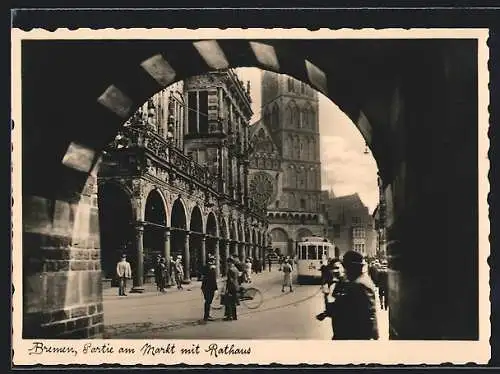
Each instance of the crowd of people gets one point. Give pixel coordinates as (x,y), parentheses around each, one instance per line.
(349,287)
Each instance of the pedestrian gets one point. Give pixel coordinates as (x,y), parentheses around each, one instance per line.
(248,270)
(338,287)
(179,272)
(287,276)
(208,287)
(231,291)
(258,266)
(353,308)
(162,276)
(171,271)
(383,286)
(158,270)
(123,272)
(373,272)
(326,279)
(269,262)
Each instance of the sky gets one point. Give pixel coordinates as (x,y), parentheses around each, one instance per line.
(346,169)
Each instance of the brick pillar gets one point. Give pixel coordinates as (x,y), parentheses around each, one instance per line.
(187,260)
(62,290)
(138,272)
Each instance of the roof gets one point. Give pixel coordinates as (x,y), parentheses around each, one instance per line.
(258,125)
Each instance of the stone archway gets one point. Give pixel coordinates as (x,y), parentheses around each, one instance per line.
(196,243)
(279,241)
(212,239)
(155,219)
(178,236)
(115,218)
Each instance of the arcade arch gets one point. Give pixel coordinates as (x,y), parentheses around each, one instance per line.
(279,241)
(115,220)
(197,243)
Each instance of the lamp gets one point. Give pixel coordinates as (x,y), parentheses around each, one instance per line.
(366,151)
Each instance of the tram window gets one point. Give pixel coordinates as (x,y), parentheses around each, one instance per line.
(312,252)
(303,252)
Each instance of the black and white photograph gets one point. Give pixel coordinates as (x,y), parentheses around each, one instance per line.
(217,195)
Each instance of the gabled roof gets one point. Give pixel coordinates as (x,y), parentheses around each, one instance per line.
(347,199)
(255,128)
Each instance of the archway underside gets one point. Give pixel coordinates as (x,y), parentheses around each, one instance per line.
(98,84)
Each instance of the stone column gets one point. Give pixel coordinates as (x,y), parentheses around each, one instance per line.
(139,269)
(226,252)
(245,183)
(220,169)
(203,251)
(217,257)
(230,177)
(241,250)
(166,254)
(187,260)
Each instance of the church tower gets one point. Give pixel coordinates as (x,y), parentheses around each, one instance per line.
(290,115)
(290,111)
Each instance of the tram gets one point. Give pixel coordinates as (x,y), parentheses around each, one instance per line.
(312,252)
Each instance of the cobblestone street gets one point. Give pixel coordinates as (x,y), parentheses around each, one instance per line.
(178,314)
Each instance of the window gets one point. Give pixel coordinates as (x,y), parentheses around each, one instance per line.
(192,112)
(303,252)
(312,252)
(203,112)
(336,231)
(197,112)
(356,220)
(358,232)
(302,203)
(275,120)
(360,247)
(302,87)
(301,179)
(290,84)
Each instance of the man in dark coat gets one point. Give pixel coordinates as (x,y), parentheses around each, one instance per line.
(232,290)
(354,309)
(208,287)
(383,287)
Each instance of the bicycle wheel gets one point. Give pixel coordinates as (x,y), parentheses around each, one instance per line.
(252,298)
(217,301)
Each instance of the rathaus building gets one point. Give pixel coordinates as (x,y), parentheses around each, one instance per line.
(285,164)
(175,181)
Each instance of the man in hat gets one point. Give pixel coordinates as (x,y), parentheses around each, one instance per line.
(208,287)
(354,309)
(179,272)
(232,290)
(123,272)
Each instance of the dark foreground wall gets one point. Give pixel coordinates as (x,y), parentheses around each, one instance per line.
(421,102)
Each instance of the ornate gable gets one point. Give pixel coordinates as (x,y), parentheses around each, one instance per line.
(264,152)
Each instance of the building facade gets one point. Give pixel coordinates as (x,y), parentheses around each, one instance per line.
(285,166)
(350,225)
(174,180)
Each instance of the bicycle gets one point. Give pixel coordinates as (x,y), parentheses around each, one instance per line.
(250,297)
